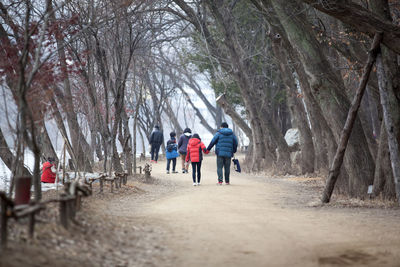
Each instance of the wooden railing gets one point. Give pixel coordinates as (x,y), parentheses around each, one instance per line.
(69,203)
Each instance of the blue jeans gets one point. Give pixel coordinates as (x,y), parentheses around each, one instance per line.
(223,162)
(173,164)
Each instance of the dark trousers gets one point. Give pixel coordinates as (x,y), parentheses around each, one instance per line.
(173,164)
(196,166)
(223,162)
(154,152)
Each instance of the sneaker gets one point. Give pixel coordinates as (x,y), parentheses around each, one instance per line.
(167,172)
(174,172)
(227,183)
(194,184)
(219,183)
(198,183)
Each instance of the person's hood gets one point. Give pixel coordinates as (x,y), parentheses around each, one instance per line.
(188,134)
(194,141)
(47,164)
(225,131)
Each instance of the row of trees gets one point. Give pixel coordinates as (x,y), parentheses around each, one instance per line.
(104,69)
(100,70)
(270,48)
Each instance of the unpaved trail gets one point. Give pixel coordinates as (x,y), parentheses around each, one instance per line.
(259,221)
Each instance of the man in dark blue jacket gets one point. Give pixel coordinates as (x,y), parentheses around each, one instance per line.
(156,139)
(226,144)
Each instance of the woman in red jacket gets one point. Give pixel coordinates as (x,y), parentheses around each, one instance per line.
(195,155)
(49,171)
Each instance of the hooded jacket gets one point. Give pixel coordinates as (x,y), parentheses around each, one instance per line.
(225,143)
(156,138)
(194,150)
(174,153)
(183,143)
(48,176)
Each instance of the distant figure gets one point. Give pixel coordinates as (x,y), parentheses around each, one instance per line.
(226,144)
(182,148)
(171,152)
(156,139)
(49,171)
(195,155)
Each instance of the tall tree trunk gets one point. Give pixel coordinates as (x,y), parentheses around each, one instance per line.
(79,142)
(61,127)
(391,114)
(383,177)
(229,110)
(172,117)
(390,71)
(8,157)
(296,109)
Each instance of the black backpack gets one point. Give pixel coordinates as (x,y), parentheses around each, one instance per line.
(170,147)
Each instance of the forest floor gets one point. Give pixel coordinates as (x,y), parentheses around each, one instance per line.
(255,221)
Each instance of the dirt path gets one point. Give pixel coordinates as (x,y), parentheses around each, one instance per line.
(259,221)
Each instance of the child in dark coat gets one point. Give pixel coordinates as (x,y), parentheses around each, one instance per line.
(195,155)
(171,152)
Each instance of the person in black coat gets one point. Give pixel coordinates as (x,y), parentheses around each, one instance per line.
(156,139)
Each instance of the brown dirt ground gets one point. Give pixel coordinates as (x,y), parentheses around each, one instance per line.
(255,221)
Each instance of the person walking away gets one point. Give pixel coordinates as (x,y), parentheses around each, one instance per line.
(156,139)
(49,171)
(226,144)
(171,152)
(182,148)
(195,155)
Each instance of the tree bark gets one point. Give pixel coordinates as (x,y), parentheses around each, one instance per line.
(327,88)
(351,117)
(361,19)
(383,177)
(172,117)
(296,108)
(8,157)
(228,109)
(203,121)
(79,142)
(390,106)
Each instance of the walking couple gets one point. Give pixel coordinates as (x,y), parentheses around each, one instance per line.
(225,146)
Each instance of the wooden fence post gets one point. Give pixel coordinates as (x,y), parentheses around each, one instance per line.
(31,224)
(4,219)
(78,201)
(63,214)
